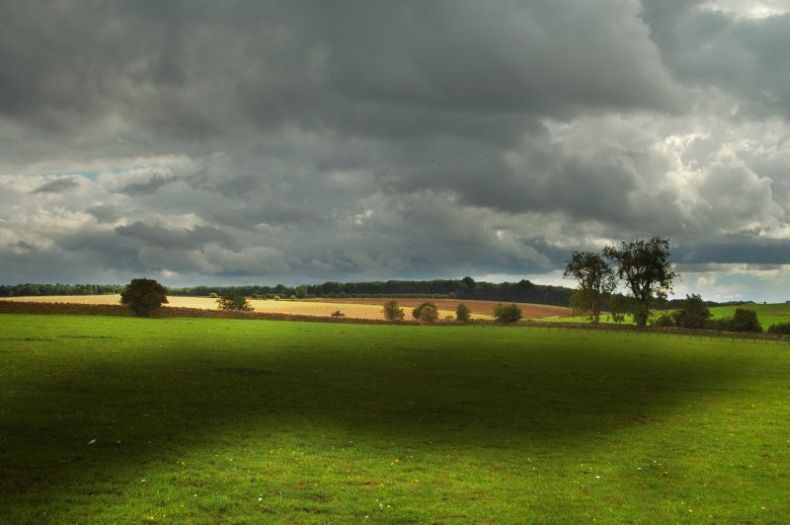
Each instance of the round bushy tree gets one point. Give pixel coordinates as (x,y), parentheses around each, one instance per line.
(781,328)
(693,314)
(462,313)
(744,320)
(507,313)
(428,313)
(392,311)
(235,303)
(144,296)
(418,311)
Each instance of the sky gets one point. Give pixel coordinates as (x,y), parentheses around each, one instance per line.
(248,142)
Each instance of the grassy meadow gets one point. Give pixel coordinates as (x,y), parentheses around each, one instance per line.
(127,420)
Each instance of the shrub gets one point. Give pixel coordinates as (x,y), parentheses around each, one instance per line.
(462,313)
(392,311)
(144,296)
(338,313)
(234,303)
(417,311)
(781,328)
(507,313)
(428,313)
(693,314)
(744,320)
(664,320)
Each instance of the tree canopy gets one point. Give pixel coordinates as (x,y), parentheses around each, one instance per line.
(645,268)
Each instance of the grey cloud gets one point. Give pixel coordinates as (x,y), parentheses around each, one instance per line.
(104,213)
(743,250)
(714,49)
(175,239)
(308,140)
(57,186)
(148,187)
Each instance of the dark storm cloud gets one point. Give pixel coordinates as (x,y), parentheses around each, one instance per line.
(743,250)
(303,140)
(57,186)
(711,48)
(147,187)
(175,239)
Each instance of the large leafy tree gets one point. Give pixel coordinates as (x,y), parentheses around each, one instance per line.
(144,296)
(596,282)
(646,270)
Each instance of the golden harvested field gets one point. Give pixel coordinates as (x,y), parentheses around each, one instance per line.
(371,310)
(484,309)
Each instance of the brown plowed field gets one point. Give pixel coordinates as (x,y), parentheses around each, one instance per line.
(486,308)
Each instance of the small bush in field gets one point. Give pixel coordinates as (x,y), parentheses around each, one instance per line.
(507,313)
(418,311)
(337,314)
(428,314)
(744,320)
(693,314)
(781,328)
(664,321)
(392,311)
(234,303)
(462,313)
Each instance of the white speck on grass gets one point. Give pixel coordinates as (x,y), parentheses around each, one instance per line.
(92,441)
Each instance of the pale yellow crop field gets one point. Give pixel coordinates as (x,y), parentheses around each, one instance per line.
(313,308)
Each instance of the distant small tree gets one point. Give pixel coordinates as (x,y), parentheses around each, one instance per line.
(780,328)
(507,313)
(462,313)
(744,320)
(234,303)
(393,311)
(144,296)
(429,314)
(646,270)
(596,282)
(693,313)
(664,320)
(418,310)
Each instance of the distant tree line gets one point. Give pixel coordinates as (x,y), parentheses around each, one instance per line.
(467,288)
(29,289)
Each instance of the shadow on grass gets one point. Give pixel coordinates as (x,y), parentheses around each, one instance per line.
(451,392)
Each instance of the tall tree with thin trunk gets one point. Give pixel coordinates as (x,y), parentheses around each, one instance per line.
(596,282)
(646,270)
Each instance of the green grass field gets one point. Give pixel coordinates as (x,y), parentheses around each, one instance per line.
(123,420)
